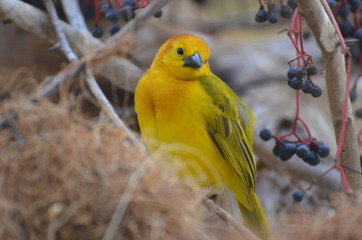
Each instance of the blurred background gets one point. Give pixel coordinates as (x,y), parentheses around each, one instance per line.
(252,58)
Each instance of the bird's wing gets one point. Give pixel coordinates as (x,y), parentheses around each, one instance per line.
(230,125)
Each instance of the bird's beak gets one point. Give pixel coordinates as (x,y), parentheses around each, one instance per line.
(194,61)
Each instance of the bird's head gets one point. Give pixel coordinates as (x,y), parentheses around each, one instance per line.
(184,56)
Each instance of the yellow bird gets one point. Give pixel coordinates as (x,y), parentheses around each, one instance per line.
(184,108)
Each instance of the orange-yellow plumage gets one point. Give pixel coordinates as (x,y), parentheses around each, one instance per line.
(185,109)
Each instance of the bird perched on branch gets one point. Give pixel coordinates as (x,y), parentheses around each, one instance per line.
(184,108)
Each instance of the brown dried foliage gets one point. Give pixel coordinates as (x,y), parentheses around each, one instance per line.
(65,181)
(340,221)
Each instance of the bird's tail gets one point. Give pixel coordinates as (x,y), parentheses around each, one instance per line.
(255,219)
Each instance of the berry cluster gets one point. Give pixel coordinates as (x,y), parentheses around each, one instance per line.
(308,148)
(299,78)
(348,15)
(272,12)
(309,151)
(125,10)
(342,10)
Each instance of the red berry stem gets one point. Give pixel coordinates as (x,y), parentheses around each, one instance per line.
(301,39)
(119,4)
(98,12)
(141,4)
(335,24)
(355,17)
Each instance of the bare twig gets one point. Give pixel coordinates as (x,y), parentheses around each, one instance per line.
(119,71)
(108,108)
(64,45)
(225,216)
(74,15)
(51,86)
(91,82)
(335,72)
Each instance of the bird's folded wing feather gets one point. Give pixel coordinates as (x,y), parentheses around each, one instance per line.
(230,126)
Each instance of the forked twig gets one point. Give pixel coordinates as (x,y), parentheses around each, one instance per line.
(63,43)
(91,82)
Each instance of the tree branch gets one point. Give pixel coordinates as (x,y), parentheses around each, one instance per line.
(91,82)
(119,71)
(335,72)
(63,43)
(74,15)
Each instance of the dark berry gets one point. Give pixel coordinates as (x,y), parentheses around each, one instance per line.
(276,149)
(312,69)
(273,14)
(273,18)
(296,83)
(129,3)
(322,149)
(112,15)
(352,95)
(97,32)
(308,86)
(286,11)
(352,2)
(291,72)
(302,150)
(128,13)
(354,7)
(261,15)
(292,4)
(300,72)
(359,113)
(287,151)
(316,91)
(355,53)
(158,14)
(332,4)
(298,195)
(358,34)
(105,8)
(343,11)
(346,28)
(265,134)
(114,29)
(311,158)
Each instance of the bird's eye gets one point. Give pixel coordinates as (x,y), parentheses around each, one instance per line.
(205,61)
(180,51)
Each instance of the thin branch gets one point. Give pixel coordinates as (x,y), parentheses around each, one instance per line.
(64,45)
(109,110)
(74,15)
(91,82)
(119,71)
(225,216)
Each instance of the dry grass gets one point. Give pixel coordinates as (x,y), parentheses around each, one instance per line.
(338,221)
(64,182)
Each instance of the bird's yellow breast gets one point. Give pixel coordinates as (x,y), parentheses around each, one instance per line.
(175,124)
